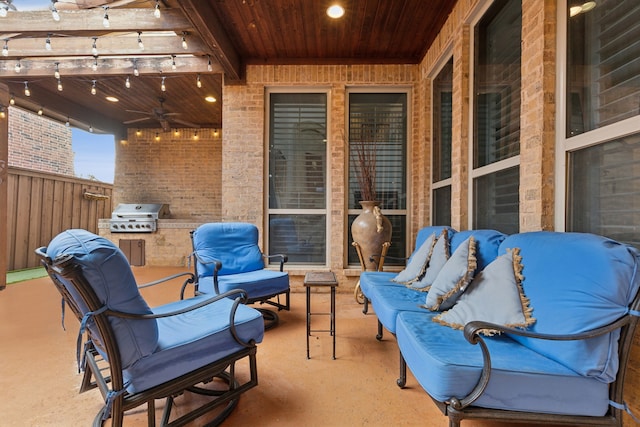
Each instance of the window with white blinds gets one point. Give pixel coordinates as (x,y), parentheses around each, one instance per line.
(441,143)
(603,61)
(496,117)
(378,124)
(298,176)
(603,89)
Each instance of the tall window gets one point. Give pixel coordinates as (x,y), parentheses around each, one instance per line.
(603,92)
(298,176)
(442,114)
(380,119)
(496,123)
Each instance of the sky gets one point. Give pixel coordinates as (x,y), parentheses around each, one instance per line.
(94,155)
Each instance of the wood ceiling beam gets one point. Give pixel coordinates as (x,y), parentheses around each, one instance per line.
(106,66)
(107,46)
(206,23)
(89,21)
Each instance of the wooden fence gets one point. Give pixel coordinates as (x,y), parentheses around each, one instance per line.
(41,205)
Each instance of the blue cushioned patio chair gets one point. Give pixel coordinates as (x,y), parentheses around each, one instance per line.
(135,354)
(227,256)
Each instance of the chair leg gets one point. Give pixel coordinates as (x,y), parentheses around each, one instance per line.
(271,318)
(380,329)
(402,380)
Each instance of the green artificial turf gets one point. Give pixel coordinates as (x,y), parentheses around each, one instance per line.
(26,274)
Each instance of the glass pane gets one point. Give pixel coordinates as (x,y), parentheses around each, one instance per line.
(301,237)
(603,61)
(442,115)
(377,147)
(397,248)
(604,190)
(497,83)
(442,206)
(496,201)
(297,151)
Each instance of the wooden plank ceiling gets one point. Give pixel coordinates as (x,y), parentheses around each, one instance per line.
(222,37)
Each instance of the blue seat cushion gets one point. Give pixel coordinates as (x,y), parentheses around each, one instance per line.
(369,279)
(389,301)
(576,282)
(109,274)
(447,366)
(258,284)
(191,340)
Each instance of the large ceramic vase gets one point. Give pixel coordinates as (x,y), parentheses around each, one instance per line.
(370,230)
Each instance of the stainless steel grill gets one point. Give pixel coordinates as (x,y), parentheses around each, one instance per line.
(138,217)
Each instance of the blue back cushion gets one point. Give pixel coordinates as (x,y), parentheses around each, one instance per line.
(576,282)
(487,244)
(108,272)
(235,244)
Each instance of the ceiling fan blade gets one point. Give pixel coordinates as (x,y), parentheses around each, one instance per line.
(172,114)
(186,123)
(137,111)
(128,122)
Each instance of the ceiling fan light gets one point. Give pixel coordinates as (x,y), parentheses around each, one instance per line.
(335,11)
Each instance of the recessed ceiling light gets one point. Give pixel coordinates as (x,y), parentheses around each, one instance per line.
(335,11)
(210,98)
(112,99)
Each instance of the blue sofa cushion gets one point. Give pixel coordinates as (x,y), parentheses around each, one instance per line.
(494,295)
(109,274)
(447,366)
(437,259)
(235,244)
(454,277)
(577,282)
(193,339)
(258,284)
(417,264)
(389,301)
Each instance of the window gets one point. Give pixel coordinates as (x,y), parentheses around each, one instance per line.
(441,137)
(496,121)
(602,129)
(298,177)
(380,119)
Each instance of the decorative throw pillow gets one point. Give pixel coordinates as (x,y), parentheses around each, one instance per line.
(437,260)
(417,263)
(495,295)
(454,277)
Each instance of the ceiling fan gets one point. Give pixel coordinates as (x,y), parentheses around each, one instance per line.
(162,116)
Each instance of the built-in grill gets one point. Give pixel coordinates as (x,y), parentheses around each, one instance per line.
(138,217)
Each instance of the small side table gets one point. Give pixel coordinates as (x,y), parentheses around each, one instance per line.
(321,279)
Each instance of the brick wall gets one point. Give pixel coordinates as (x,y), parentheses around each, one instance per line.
(39,143)
(175,169)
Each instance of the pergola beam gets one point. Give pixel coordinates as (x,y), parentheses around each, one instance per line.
(107,66)
(90,21)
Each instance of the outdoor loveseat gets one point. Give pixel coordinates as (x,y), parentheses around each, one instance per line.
(528,327)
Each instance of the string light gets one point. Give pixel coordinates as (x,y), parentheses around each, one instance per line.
(105,19)
(140,44)
(157,138)
(3,115)
(54,12)
(5,48)
(135,68)
(162,86)
(12,100)
(18,67)
(40,111)
(156,10)
(173,62)
(127,83)
(59,85)
(47,43)
(185,46)
(67,123)
(209,67)
(94,66)
(90,129)
(93,87)
(27,92)
(56,73)
(94,47)
(198,81)
(195,134)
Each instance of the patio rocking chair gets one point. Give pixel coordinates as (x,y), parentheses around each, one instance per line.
(227,256)
(136,354)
